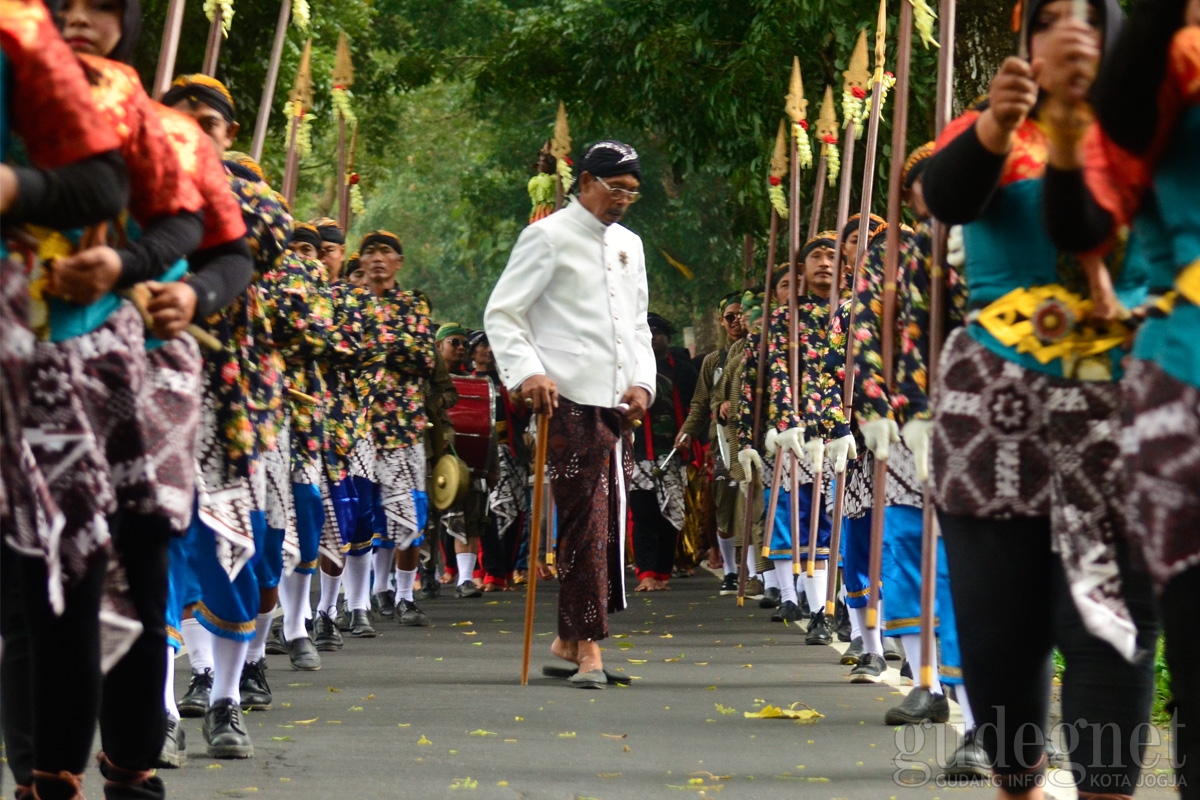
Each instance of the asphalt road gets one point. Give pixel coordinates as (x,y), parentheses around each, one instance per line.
(439,712)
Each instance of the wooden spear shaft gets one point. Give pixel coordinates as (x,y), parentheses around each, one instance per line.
(814,521)
(795,377)
(292,164)
(937,306)
(170,48)
(212,50)
(268,95)
(814,222)
(890,271)
(343,206)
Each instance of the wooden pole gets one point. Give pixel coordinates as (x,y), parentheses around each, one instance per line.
(169,49)
(747,258)
(340,178)
(268,95)
(212,50)
(795,376)
(814,223)
(891,268)
(535,534)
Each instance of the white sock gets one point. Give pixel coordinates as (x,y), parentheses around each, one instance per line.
(912,651)
(199,644)
(960,693)
(771,579)
(783,576)
(381,564)
(405,578)
(872,639)
(257,649)
(801,590)
(228,658)
(855,630)
(728,554)
(293,604)
(816,587)
(357,578)
(466,567)
(330,585)
(169,686)
(751,563)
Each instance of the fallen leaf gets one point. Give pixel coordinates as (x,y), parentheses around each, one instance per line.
(519,719)
(404,725)
(818,780)
(461,624)
(470,633)
(636,660)
(355,708)
(725,709)
(294,685)
(477,644)
(666,636)
(747,666)
(620,636)
(333,689)
(669,660)
(510,741)
(281,738)
(214,766)
(626,749)
(608,774)
(423,741)
(369,697)
(775,712)
(285,705)
(502,783)
(333,722)
(305,721)
(464,783)
(615,735)
(481,732)
(625,645)
(700,663)
(567,735)
(710,688)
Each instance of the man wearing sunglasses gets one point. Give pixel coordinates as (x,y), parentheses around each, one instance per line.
(567,322)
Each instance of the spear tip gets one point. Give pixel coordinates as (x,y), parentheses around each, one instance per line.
(779,159)
(795,105)
(343,66)
(560,144)
(827,124)
(857,76)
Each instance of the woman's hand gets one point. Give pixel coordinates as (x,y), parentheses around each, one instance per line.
(86,276)
(171,307)
(1011,96)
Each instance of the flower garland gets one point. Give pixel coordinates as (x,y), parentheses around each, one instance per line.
(303,131)
(833,159)
(923,17)
(853,108)
(356,196)
(341,102)
(226,7)
(301,14)
(804,155)
(885,84)
(565,175)
(541,195)
(778,198)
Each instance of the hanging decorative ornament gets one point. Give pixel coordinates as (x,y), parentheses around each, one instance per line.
(923,18)
(827,135)
(356,197)
(779,171)
(797,108)
(854,86)
(301,14)
(226,7)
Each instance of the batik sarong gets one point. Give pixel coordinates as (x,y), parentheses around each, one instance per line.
(590,466)
(170,423)
(400,475)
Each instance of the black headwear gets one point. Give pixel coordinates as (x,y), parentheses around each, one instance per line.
(1110,14)
(608,158)
(381,237)
(851,226)
(303,232)
(330,231)
(131,28)
(822,239)
(659,324)
(475,339)
(200,88)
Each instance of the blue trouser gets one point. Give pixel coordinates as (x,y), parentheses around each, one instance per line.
(781,535)
(369,517)
(183,588)
(857,553)
(228,608)
(310,519)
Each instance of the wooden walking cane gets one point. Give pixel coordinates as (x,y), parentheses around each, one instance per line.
(169,48)
(535,535)
(268,95)
(890,271)
(864,227)
(855,76)
(937,306)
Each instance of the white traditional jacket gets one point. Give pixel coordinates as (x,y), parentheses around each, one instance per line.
(572,305)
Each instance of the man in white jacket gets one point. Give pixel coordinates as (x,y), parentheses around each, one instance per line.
(567,323)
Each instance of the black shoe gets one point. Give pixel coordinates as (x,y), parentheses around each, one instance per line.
(468,589)
(411,616)
(174,750)
(819,630)
(970,760)
(195,702)
(326,635)
(906,671)
(124,784)
(771,598)
(254,689)
(343,617)
(386,601)
(276,646)
(918,706)
(841,621)
(787,612)
(869,669)
(225,731)
(805,608)
(892,649)
(729,584)
(360,625)
(303,655)
(853,652)
(430,588)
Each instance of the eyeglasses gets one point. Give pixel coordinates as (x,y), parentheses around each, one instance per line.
(457,342)
(732,317)
(621,194)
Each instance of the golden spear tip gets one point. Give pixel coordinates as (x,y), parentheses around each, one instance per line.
(881,35)
(560,144)
(827,123)
(779,159)
(343,67)
(796,106)
(857,74)
(302,91)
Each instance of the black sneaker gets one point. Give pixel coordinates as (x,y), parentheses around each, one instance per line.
(869,669)
(841,621)
(256,693)
(303,655)
(771,598)
(411,616)
(174,750)
(386,603)
(360,625)
(195,702)
(225,731)
(892,649)
(276,646)
(467,589)
(819,630)
(853,652)
(918,706)
(326,635)
(729,585)
(970,760)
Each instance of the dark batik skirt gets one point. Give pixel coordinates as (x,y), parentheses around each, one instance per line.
(590,466)
(170,427)
(1009,442)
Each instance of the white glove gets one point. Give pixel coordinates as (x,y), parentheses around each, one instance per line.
(956,251)
(772,445)
(878,434)
(750,460)
(792,439)
(918,435)
(840,451)
(816,452)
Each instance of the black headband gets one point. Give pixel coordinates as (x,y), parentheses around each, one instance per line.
(381,237)
(813,244)
(332,234)
(306,233)
(199,93)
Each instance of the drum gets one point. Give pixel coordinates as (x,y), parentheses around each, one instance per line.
(474,419)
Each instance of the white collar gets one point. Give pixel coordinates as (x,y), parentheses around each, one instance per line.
(576,211)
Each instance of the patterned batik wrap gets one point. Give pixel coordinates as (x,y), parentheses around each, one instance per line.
(903,488)
(400,476)
(225,498)
(669,487)
(507,501)
(171,423)
(1011,442)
